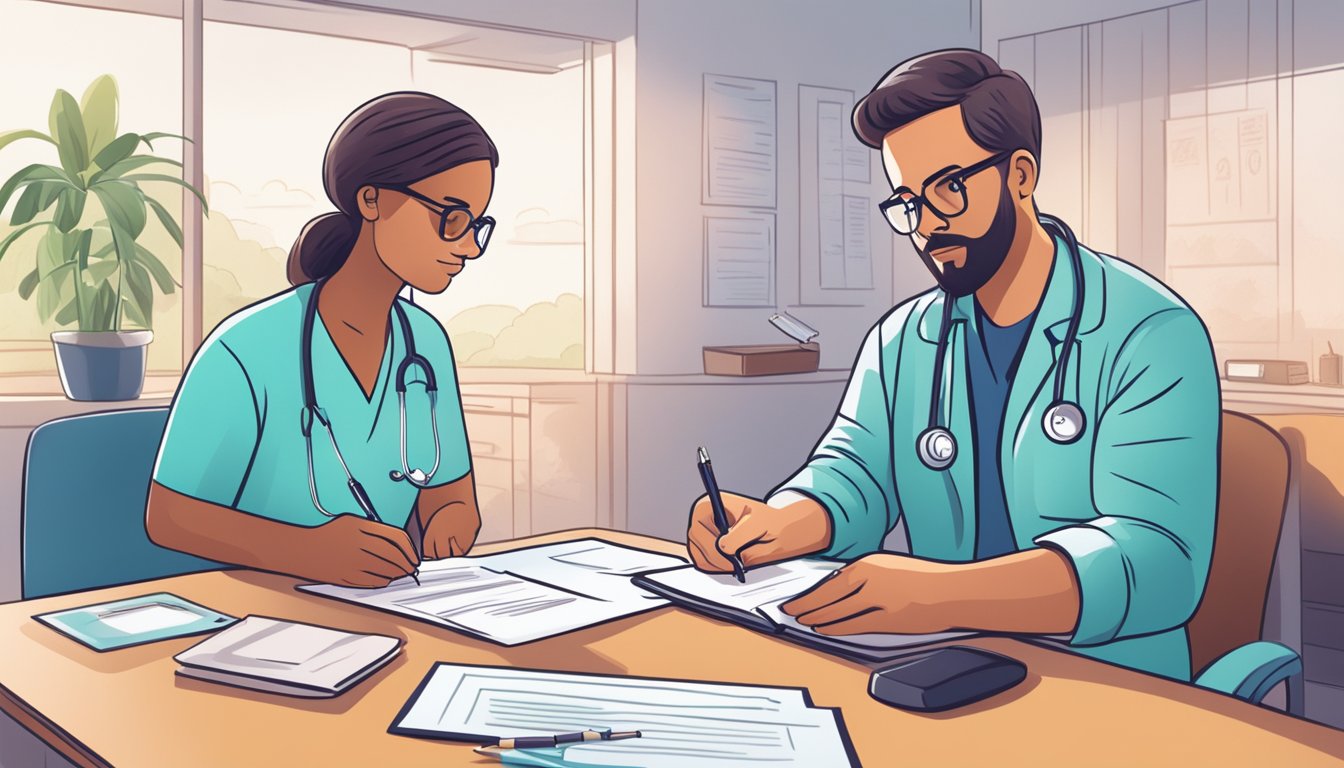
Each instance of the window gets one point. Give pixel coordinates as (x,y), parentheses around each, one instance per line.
(269,115)
(277,79)
(60,46)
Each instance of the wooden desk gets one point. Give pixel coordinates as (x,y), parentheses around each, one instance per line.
(127,708)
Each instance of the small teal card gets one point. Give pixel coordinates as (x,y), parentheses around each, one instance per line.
(136,620)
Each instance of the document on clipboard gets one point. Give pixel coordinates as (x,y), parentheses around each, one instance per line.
(756,604)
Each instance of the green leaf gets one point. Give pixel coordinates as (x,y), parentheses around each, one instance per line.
(170,179)
(130,164)
(67,125)
(37,197)
(117,150)
(149,137)
(48,299)
(33,173)
(101,271)
(134,313)
(103,308)
(156,268)
(141,291)
(12,237)
(99,110)
(69,208)
(9,137)
(125,206)
(166,219)
(28,284)
(68,313)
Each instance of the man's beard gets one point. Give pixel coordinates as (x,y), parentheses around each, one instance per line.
(984,254)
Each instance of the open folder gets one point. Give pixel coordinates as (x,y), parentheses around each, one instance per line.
(756,604)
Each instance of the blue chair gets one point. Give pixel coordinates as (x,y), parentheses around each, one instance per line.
(1225,646)
(85,483)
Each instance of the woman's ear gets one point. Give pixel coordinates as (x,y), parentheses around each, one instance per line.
(367,200)
(1023,174)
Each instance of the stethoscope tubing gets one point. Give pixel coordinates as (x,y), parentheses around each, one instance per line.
(312,412)
(937,446)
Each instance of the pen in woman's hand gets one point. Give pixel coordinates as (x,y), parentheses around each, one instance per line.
(720,515)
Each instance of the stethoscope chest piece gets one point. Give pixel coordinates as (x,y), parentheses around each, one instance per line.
(937,448)
(1064,422)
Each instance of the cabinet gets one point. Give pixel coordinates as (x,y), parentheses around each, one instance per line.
(533,452)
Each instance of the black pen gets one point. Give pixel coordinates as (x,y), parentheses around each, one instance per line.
(720,516)
(561,739)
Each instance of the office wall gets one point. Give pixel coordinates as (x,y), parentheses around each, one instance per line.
(1198,140)
(790,42)
(758,431)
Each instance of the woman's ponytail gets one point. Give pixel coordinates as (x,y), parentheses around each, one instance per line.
(322,247)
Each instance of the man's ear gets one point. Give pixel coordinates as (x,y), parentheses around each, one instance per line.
(1023,174)
(367,200)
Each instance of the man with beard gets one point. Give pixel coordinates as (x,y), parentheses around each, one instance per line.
(1045,421)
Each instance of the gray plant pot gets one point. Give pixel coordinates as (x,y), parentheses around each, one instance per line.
(101,365)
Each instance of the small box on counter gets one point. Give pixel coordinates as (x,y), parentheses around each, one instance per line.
(1268,371)
(762,359)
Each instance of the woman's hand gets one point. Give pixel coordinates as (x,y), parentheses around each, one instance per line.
(451,531)
(355,552)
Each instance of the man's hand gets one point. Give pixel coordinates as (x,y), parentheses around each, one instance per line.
(879,593)
(758,533)
(451,531)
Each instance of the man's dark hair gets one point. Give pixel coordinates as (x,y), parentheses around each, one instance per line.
(997,105)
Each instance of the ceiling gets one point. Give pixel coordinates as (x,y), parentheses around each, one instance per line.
(443,40)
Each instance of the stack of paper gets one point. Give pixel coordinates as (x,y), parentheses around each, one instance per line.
(287,657)
(684,724)
(756,604)
(522,595)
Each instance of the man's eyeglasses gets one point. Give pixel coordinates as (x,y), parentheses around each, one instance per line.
(455,218)
(944,193)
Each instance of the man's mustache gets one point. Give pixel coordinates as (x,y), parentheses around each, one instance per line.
(939,240)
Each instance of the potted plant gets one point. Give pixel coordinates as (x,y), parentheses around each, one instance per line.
(89,270)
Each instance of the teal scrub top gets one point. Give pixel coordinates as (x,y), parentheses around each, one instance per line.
(1131,504)
(234,434)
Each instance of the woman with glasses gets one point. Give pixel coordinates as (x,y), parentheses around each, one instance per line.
(319,432)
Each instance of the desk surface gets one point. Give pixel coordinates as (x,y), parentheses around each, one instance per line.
(128,708)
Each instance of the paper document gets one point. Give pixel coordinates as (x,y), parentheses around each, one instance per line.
(684,724)
(756,604)
(519,596)
(153,617)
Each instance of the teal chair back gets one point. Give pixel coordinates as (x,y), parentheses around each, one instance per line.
(85,483)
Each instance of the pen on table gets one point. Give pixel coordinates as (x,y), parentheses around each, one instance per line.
(560,739)
(720,516)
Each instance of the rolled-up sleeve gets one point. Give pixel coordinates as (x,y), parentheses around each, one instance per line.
(1142,564)
(850,470)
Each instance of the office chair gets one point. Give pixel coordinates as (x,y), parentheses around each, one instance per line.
(1225,645)
(85,484)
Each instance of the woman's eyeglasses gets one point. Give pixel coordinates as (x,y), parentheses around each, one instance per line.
(455,218)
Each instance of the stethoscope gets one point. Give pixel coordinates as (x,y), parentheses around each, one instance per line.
(1064,421)
(417,477)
